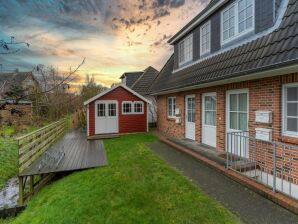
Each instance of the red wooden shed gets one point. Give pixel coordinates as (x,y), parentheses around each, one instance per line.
(117,110)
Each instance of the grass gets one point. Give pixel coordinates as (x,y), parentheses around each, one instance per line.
(136,187)
(8,159)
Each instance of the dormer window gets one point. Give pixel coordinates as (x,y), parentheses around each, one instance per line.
(205,38)
(237,19)
(185,50)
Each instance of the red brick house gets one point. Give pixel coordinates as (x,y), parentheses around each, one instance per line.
(232,85)
(117,110)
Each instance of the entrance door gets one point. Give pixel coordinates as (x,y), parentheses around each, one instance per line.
(190,114)
(237,121)
(106,117)
(209,119)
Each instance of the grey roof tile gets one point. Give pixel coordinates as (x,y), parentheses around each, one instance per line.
(277,48)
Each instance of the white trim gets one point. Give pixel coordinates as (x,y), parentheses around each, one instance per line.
(184,41)
(141,102)
(228,93)
(88,120)
(186,115)
(208,23)
(236,24)
(115,87)
(132,105)
(173,110)
(284,110)
(199,20)
(203,117)
(281,12)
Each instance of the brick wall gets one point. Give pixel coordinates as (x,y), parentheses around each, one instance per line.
(264,94)
(127,122)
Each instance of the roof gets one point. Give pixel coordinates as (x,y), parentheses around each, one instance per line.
(131,77)
(145,81)
(16,77)
(213,4)
(113,88)
(275,49)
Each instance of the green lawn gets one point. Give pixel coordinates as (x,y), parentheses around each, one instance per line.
(136,187)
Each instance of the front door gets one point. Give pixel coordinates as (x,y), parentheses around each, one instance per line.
(237,121)
(190,114)
(106,117)
(209,119)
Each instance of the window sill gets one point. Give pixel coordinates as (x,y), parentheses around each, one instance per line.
(289,139)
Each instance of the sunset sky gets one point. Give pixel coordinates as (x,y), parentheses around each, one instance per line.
(115,36)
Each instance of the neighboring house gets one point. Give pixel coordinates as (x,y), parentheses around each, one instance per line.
(117,110)
(11,84)
(234,69)
(141,82)
(23,80)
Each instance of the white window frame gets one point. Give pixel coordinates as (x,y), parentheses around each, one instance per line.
(237,34)
(284,111)
(131,106)
(208,35)
(172,107)
(140,102)
(190,38)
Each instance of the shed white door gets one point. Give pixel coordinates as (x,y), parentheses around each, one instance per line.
(106,117)
(190,112)
(237,121)
(209,119)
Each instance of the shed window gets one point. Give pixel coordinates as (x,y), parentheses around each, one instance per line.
(101,110)
(171,106)
(290,108)
(138,107)
(126,107)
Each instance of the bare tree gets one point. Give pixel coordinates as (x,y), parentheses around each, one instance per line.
(7,46)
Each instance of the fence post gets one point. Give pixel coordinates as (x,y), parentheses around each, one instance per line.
(274,168)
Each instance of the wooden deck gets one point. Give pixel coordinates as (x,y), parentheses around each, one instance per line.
(79,153)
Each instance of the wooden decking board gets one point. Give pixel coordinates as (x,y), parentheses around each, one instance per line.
(80,153)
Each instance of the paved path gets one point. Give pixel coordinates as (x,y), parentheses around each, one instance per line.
(249,206)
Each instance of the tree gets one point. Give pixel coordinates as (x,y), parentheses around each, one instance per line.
(90,88)
(7,47)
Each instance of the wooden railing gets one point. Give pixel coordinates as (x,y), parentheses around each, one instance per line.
(32,145)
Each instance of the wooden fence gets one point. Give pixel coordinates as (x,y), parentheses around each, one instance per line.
(32,145)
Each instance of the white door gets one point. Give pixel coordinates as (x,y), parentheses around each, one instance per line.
(237,121)
(190,114)
(106,117)
(209,119)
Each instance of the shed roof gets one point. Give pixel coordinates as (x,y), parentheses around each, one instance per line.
(113,88)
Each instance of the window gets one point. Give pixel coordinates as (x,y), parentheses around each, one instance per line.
(191,110)
(171,106)
(101,110)
(129,107)
(126,107)
(238,111)
(138,107)
(185,50)
(112,110)
(210,110)
(205,38)
(237,19)
(290,109)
